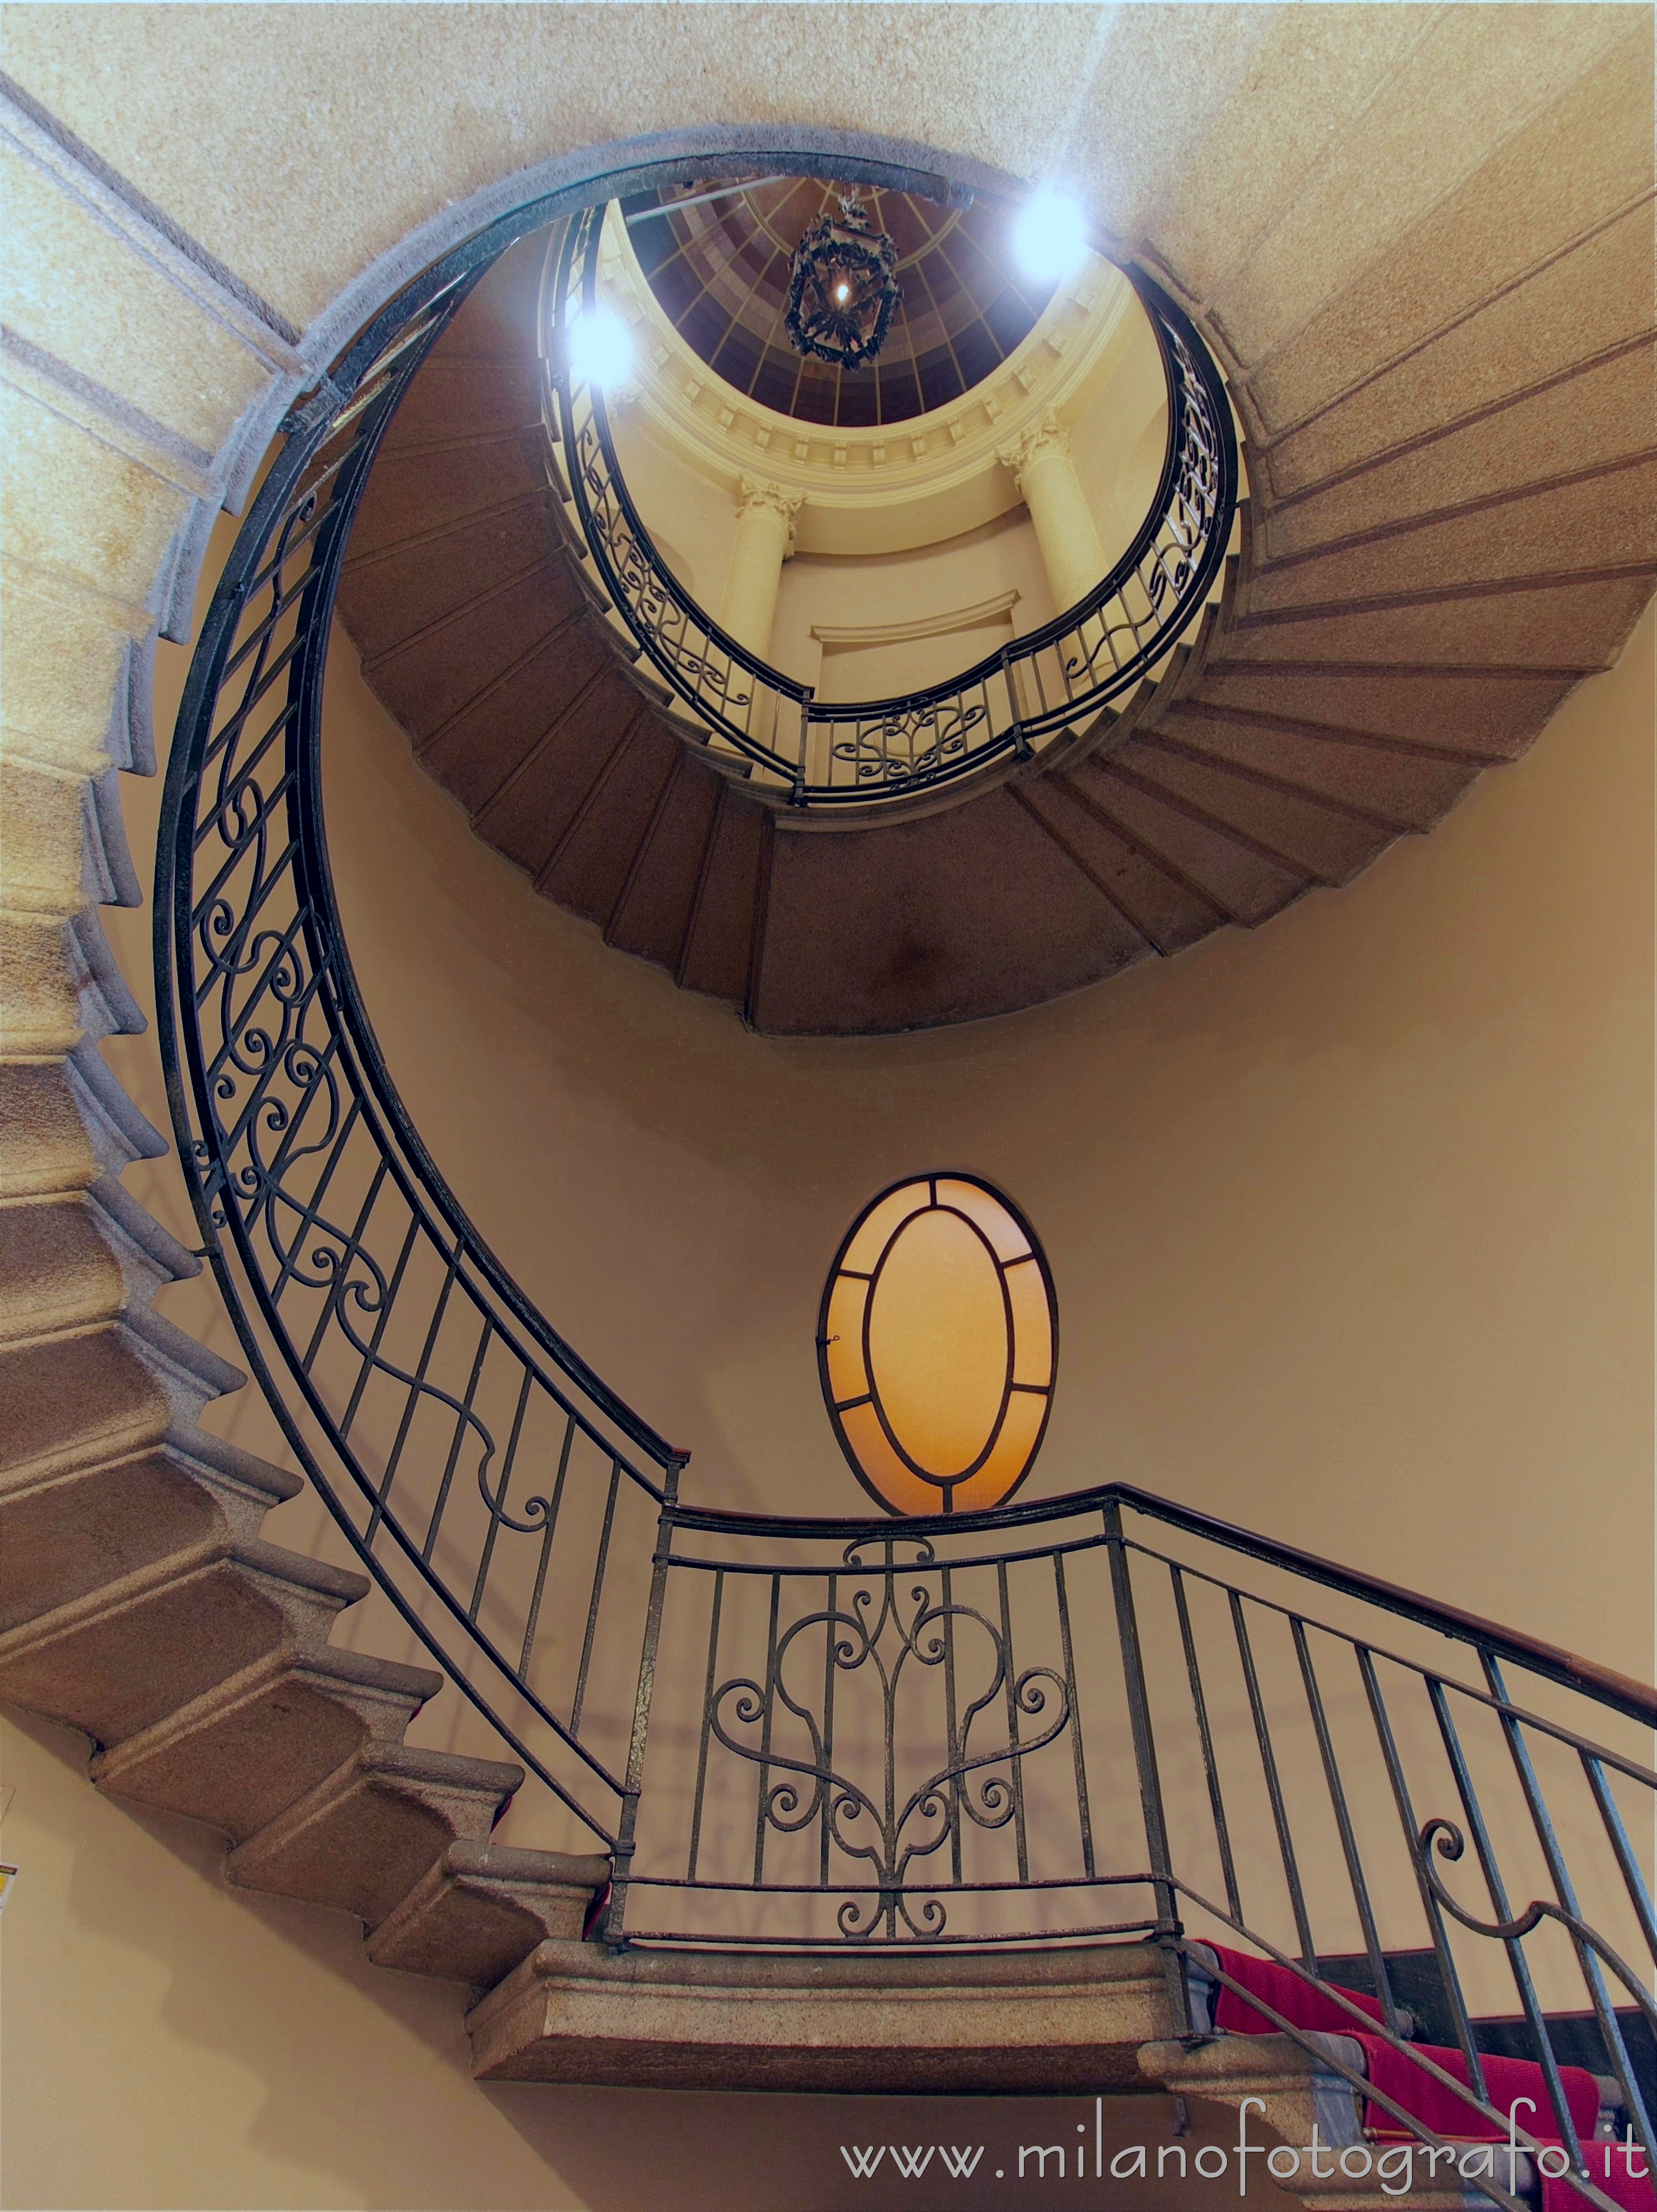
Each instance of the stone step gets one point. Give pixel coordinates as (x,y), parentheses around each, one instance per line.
(651,915)
(249,1746)
(1364,212)
(196,1617)
(993,2023)
(1472,300)
(1389,785)
(1157,905)
(1229,870)
(1316,833)
(718,957)
(1297,2092)
(481,1908)
(1589,419)
(366,1836)
(73,1533)
(1606,522)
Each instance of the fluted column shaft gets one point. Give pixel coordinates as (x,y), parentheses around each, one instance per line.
(1071,551)
(765,538)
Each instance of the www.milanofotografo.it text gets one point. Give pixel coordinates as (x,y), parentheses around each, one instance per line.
(1397,2166)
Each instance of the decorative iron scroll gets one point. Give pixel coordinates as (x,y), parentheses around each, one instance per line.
(889,1629)
(912,746)
(1050,680)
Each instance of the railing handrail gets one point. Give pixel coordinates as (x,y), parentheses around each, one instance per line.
(1624,1692)
(1170,327)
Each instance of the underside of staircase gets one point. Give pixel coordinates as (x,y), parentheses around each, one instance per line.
(1452,519)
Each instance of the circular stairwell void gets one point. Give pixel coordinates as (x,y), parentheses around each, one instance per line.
(1347,687)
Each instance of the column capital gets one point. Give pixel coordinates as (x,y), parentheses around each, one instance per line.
(1045,435)
(759,492)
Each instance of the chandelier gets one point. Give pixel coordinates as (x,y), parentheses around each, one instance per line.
(841,291)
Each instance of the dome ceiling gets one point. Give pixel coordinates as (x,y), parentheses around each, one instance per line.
(719,269)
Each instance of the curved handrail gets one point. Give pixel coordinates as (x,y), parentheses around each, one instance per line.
(1622,1693)
(854,753)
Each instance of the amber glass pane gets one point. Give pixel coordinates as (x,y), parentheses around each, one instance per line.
(938,1349)
(1026,1411)
(1007,1240)
(866,1247)
(1032,1324)
(847,1377)
(882,1467)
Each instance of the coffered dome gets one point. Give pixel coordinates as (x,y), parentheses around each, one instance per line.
(718,266)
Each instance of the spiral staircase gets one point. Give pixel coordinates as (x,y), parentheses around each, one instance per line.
(1453,517)
(1416,589)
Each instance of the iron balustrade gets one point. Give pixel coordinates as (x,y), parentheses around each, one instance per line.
(1050,681)
(1066,1720)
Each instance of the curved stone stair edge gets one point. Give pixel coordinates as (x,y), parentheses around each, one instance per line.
(139,1604)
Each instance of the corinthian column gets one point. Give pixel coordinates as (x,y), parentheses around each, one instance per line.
(765,538)
(1070,550)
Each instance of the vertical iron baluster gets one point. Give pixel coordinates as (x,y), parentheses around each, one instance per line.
(1144,1761)
(592,1602)
(627,1827)
(1021,744)
(953,1749)
(311,1206)
(370,1359)
(1210,1769)
(1083,1808)
(1273,1784)
(415,1391)
(1429,1903)
(707,1725)
(1565,1893)
(828,1673)
(497,1509)
(1622,1845)
(1349,1843)
(439,1508)
(770,1703)
(547,1535)
(1514,1946)
(1016,1760)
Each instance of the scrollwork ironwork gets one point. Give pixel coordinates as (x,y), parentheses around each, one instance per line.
(891,1631)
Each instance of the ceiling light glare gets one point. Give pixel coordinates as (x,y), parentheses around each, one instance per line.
(600,348)
(1050,237)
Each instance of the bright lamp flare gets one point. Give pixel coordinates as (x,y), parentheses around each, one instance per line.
(1050,236)
(600,348)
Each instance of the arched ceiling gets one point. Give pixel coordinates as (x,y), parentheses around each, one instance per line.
(719,268)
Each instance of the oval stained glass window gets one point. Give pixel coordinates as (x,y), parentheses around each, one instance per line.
(938,1344)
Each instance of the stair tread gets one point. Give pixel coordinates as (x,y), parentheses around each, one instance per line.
(1596,417)
(1602,521)
(1524,209)
(855,919)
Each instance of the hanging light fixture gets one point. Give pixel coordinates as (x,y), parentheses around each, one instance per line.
(842,293)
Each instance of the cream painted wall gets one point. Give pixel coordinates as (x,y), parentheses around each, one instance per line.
(865,592)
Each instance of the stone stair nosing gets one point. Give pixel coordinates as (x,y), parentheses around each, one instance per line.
(1297,2093)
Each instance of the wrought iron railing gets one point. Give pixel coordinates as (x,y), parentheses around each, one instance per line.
(1051,680)
(1070,1720)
